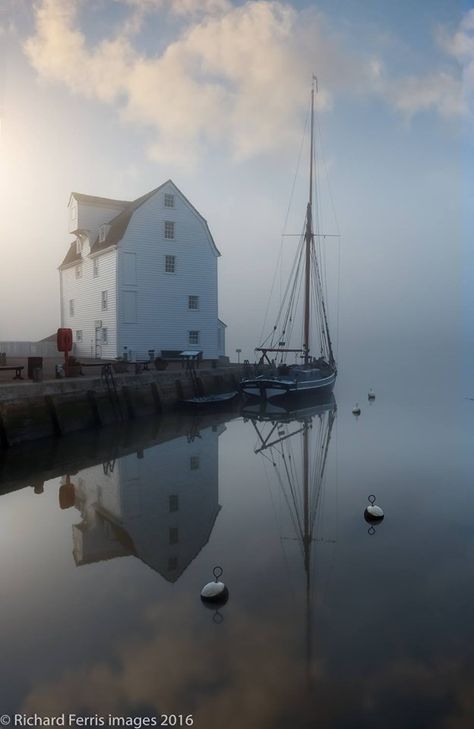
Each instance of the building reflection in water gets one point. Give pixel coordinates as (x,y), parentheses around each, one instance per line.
(158,504)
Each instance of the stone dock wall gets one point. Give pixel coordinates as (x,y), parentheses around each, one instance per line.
(31,464)
(32,410)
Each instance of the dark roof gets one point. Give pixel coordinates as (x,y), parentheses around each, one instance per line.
(72,256)
(119,224)
(80,197)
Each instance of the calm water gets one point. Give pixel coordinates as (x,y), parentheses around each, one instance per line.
(107,540)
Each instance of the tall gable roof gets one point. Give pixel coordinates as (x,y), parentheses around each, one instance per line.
(72,256)
(119,224)
(94,199)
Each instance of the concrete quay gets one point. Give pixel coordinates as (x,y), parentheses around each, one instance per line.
(32,410)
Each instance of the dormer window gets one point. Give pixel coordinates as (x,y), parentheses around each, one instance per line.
(103,232)
(169,200)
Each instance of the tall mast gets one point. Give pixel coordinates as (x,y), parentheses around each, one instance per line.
(308,239)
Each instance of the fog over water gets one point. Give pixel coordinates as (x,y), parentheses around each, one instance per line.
(101,611)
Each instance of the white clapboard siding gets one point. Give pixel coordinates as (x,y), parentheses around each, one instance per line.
(86,293)
(148,308)
(163,319)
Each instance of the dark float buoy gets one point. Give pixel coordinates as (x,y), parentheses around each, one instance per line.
(371,394)
(373,513)
(356,409)
(215,593)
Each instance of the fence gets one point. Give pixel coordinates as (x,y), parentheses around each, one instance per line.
(29,349)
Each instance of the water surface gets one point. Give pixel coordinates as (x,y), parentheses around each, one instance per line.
(108,538)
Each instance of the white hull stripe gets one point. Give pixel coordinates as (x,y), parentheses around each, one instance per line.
(272,388)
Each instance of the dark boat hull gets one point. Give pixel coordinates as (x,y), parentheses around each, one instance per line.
(286,388)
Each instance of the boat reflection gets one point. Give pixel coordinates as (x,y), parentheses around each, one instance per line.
(296,443)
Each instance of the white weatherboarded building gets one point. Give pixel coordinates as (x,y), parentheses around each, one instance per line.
(140,276)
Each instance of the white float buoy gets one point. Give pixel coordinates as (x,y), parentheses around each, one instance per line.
(371,394)
(215,592)
(356,409)
(373,512)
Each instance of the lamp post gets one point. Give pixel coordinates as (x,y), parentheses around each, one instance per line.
(238,355)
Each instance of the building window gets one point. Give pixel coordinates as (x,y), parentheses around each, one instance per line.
(79,335)
(169,230)
(103,230)
(95,265)
(173,535)
(71,307)
(79,271)
(105,300)
(170,264)
(78,246)
(174,502)
(194,463)
(105,335)
(193,302)
(193,337)
(169,200)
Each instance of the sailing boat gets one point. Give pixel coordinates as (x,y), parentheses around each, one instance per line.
(313,376)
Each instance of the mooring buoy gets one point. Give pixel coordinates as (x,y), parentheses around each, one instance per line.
(215,592)
(356,409)
(373,512)
(371,394)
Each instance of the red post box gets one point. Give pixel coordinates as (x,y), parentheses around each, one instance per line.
(64,340)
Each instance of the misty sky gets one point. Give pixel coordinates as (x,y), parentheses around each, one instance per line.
(112,97)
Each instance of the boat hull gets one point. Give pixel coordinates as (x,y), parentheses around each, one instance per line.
(275,388)
(222,400)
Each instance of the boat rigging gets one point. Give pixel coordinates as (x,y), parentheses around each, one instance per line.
(314,374)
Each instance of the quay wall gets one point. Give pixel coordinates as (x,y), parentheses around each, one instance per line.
(32,410)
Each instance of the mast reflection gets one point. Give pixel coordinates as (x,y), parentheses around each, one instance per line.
(296,442)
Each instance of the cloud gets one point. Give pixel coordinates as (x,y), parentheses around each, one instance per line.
(252,674)
(440,92)
(182,7)
(234,78)
(460,45)
(178,666)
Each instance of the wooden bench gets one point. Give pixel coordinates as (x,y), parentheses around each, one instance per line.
(142,364)
(94,364)
(18,370)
